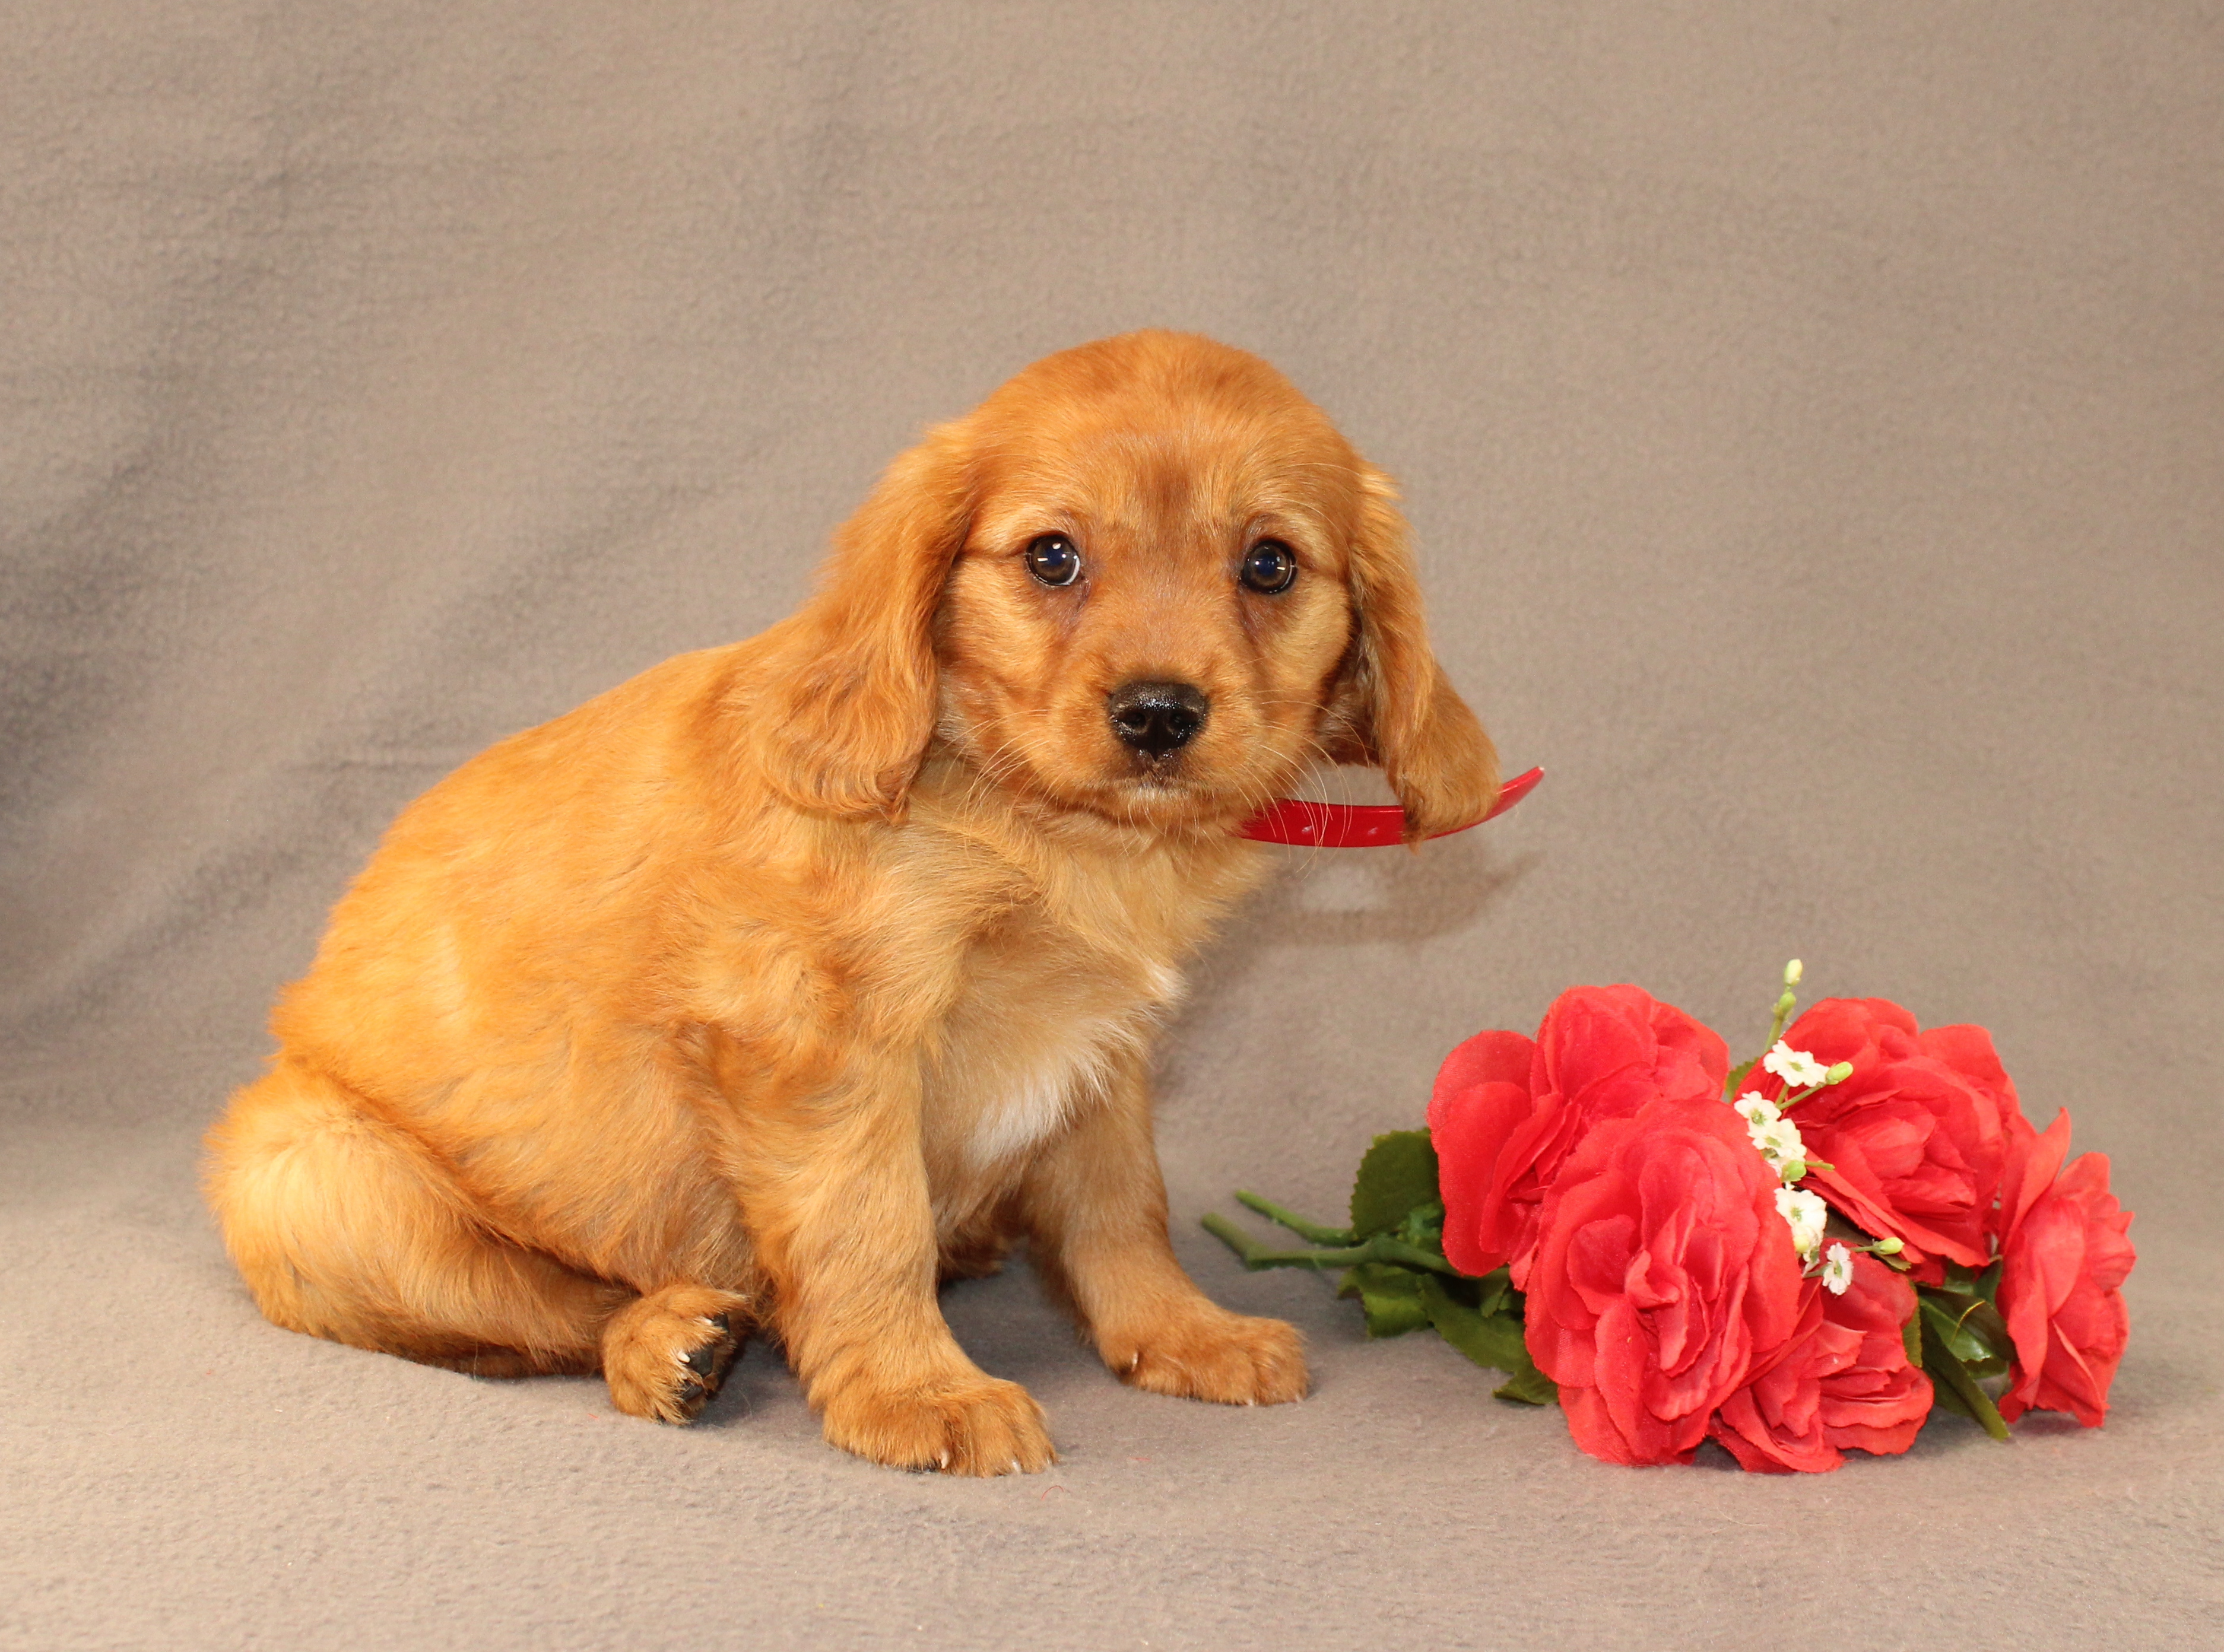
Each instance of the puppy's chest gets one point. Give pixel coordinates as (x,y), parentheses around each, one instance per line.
(1041,1030)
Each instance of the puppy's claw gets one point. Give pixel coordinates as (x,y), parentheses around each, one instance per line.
(663,1357)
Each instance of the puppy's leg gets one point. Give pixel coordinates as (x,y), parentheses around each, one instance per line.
(1094,1204)
(347,1228)
(848,1235)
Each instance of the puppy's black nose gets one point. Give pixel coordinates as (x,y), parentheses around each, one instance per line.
(1155,717)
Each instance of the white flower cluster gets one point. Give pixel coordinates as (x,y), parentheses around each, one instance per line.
(1798,1069)
(1776,1136)
(1837,1269)
(1777,1139)
(1805,1215)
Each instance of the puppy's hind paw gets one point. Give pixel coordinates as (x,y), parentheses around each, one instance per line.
(665,1355)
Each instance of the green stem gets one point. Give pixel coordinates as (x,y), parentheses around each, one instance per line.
(1784,1005)
(1380,1248)
(1386,1249)
(1312,1232)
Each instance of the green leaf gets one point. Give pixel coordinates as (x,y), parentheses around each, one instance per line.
(1944,1396)
(1530,1387)
(1496,1295)
(1490,1340)
(1960,1281)
(1983,1325)
(1462,1290)
(1970,1328)
(1397,1175)
(1911,1335)
(1967,1282)
(1952,1383)
(1424,1226)
(1390,1297)
(1737,1077)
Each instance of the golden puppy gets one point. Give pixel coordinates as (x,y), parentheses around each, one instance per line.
(790,976)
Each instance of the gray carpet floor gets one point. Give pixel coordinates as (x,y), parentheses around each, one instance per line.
(1813,424)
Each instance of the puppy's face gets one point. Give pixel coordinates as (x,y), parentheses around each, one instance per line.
(1152,611)
(1145,579)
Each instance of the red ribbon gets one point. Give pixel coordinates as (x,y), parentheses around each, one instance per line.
(1360,826)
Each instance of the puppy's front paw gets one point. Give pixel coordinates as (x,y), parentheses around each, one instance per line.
(665,1354)
(970,1425)
(1212,1354)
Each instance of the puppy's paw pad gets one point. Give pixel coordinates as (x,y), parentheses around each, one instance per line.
(665,1355)
(1221,1357)
(977,1426)
(709,1360)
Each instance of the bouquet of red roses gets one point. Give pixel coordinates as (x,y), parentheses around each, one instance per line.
(1796,1257)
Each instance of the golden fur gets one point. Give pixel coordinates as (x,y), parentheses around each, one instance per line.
(777,982)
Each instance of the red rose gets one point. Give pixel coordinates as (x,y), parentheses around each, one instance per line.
(2064,1251)
(1507,1113)
(1661,1272)
(1841,1382)
(1916,1136)
(1482,1098)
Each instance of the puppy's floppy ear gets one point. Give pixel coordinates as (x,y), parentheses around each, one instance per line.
(1398,710)
(848,718)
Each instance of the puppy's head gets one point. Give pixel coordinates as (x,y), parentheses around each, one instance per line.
(1145,579)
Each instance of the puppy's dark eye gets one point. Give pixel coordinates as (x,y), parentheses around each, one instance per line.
(1053,560)
(1269,566)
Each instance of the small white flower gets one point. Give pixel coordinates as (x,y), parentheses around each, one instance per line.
(1780,1144)
(1804,1214)
(1798,1069)
(1793,972)
(1837,1269)
(1756,1109)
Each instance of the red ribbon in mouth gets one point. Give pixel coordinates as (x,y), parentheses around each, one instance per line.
(1359,826)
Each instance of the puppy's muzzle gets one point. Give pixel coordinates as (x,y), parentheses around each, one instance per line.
(1155,718)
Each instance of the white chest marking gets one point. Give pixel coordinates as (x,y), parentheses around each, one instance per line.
(1018,1119)
(1033,1102)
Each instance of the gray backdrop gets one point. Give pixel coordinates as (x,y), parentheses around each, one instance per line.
(1811,419)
